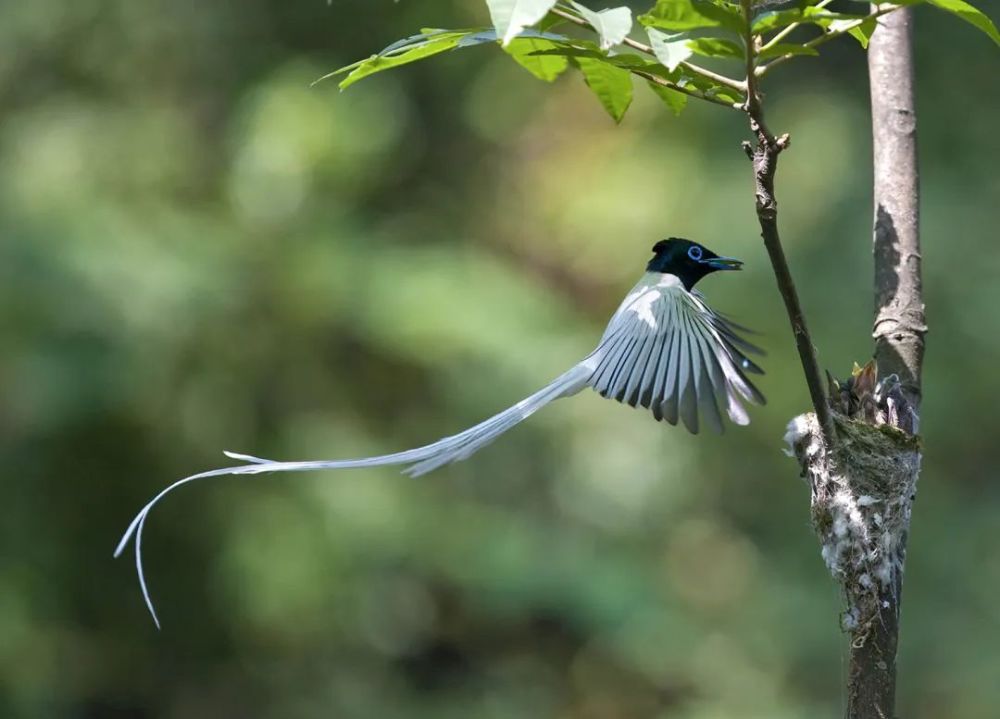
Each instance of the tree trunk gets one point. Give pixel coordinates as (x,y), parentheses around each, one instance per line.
(863,482)
(899,307)
(899,326)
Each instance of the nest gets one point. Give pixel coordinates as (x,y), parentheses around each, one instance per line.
(862,495)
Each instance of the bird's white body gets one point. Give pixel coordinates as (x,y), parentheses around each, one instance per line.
(664,349)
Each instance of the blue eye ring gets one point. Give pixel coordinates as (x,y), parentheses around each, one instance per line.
(694,253)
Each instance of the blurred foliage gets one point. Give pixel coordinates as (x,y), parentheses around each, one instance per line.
(199,251)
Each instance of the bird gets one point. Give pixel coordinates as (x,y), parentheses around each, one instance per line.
(664,349)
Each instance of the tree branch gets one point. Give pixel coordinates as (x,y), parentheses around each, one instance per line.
(899,326)
(764,156)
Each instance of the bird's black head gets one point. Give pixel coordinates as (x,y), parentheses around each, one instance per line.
(688,260)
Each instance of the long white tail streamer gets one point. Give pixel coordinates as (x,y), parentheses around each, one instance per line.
(420,460)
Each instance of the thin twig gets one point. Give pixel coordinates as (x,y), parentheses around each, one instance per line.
(642,47)
(765,162)
(827,37)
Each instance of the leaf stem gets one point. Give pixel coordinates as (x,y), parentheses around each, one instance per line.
(644,48)
(764,156)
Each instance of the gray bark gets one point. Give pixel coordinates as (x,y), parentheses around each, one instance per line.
(899,324)
(863,482)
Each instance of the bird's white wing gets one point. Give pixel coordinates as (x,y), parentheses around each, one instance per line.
(667,350)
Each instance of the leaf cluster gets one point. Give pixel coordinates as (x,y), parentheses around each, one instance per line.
(738,38)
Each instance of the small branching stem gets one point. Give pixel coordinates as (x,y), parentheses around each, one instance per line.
(764,156)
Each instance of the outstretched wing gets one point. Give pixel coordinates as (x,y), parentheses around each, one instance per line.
(667,350)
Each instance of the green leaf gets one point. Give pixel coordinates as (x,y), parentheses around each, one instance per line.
(578,48)
(863,32)
(611,84)
(673,99)
(970,14)
(529,54)
(432,42)
(550,21)
(694,14)
(716,47)
(786,48)
(612,25)
(775,20)
(682,76)
(482,35)
(377,63)
(671,50)
(708,86)
(510,17)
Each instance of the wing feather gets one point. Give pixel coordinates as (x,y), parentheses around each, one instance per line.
(649,376)
(687,377)
(630,394)
(711,380)
(669,352)
(621,369)
(601,379)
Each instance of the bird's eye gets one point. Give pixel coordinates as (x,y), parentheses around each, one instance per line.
(695,253)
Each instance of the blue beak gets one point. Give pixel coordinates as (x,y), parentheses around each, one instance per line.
(724,263)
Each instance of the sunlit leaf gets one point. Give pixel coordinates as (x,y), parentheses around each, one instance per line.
(378,63)
(425,35)
(527,52)
(708,86)
(682,76)
(611,84)
(510,17)
(778,19)
(550,21)
(671,50)
(612,25)
(625,60)
(489,35)
(432,42)
(716,47)
(437,39)
(970,14)
(693,14)
(786,48)
(577,48)
(861,32)
(673,99)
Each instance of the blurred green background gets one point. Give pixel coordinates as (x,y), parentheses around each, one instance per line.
(199,251)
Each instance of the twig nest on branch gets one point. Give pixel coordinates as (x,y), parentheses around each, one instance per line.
(862,494)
